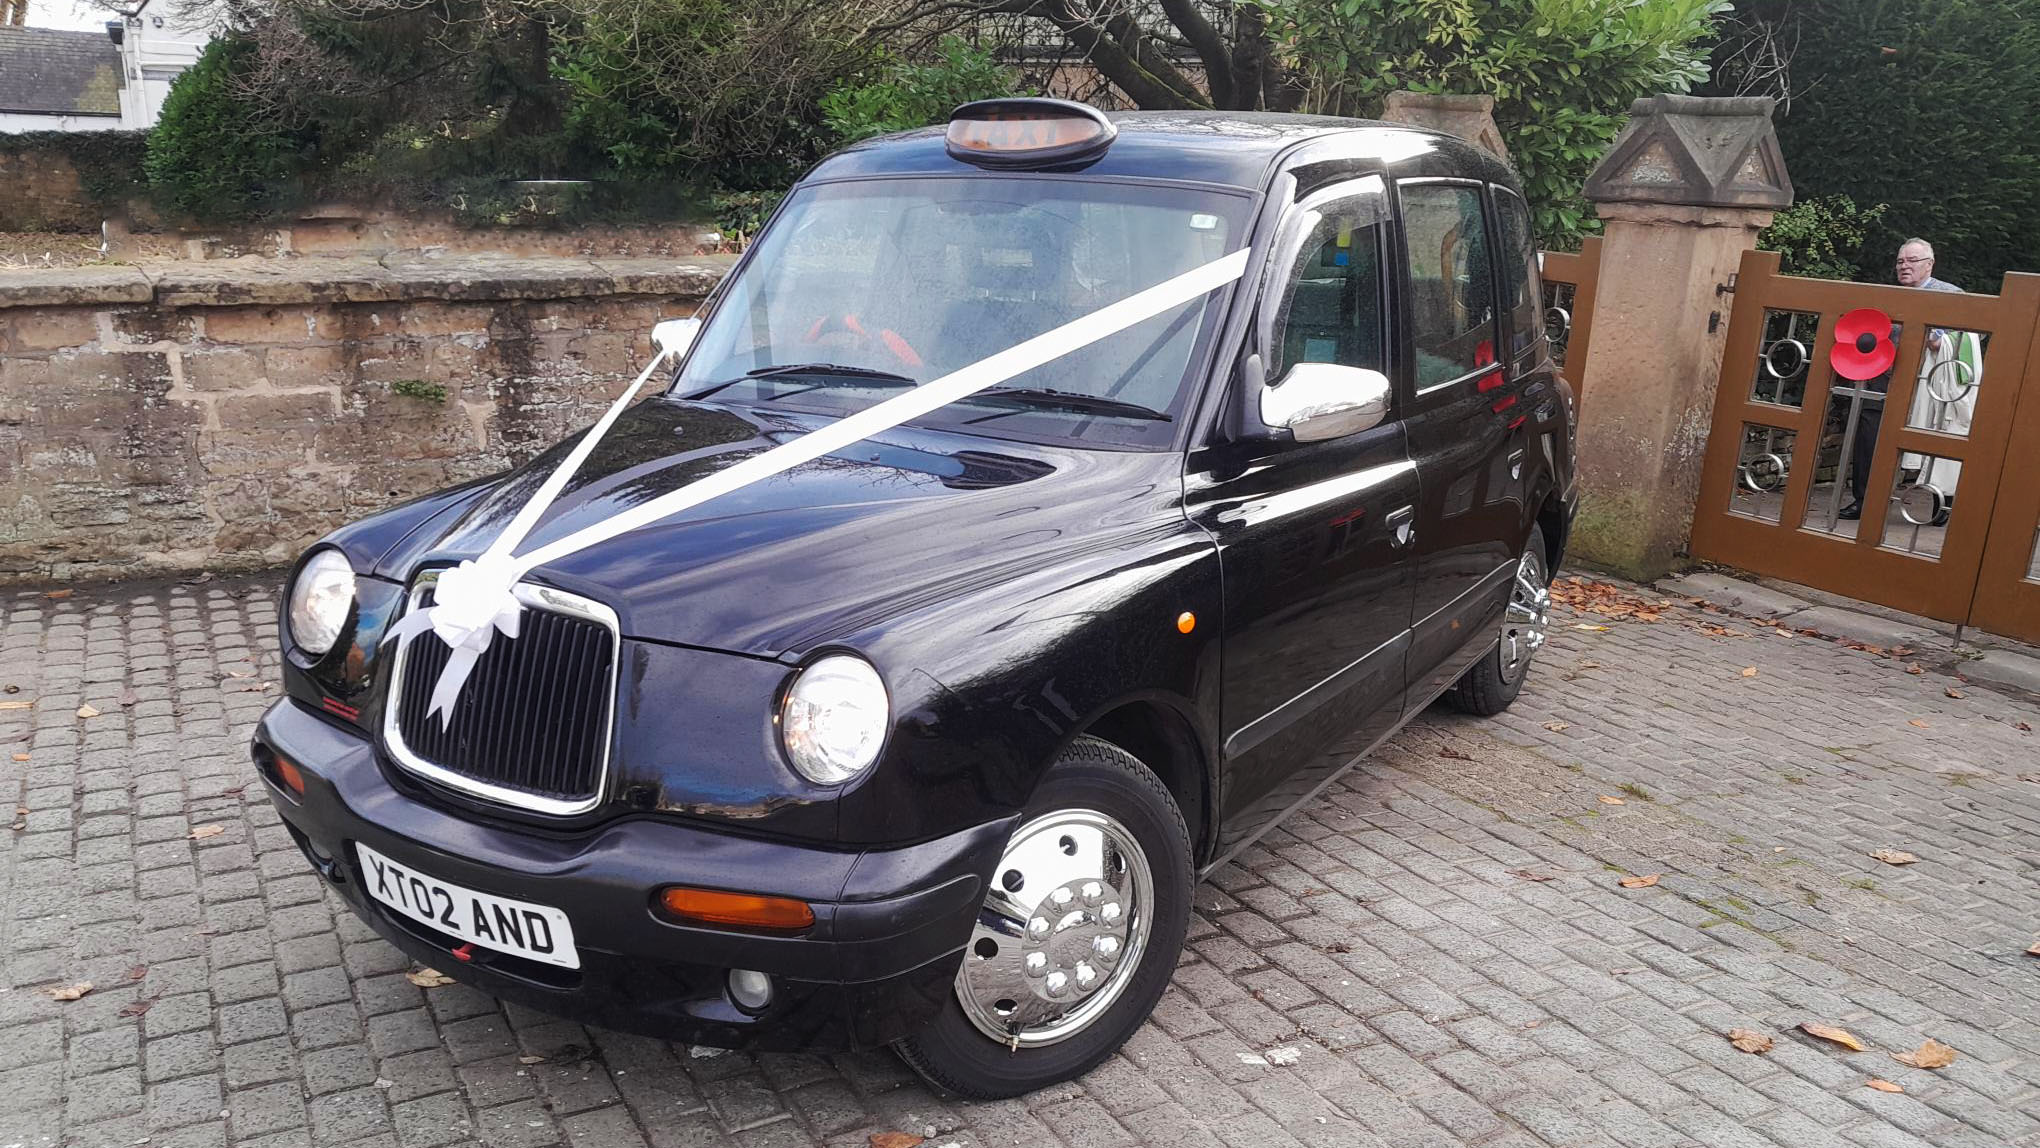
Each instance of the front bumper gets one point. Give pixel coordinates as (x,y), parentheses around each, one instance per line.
(877,963)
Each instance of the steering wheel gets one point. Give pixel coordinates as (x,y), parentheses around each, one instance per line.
(845,329)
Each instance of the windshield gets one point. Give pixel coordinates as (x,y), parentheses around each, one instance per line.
(859,290)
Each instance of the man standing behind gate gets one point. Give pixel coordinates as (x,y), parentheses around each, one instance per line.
(1915,269)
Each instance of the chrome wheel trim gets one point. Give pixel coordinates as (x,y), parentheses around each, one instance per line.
(1527,621)
(1061,932)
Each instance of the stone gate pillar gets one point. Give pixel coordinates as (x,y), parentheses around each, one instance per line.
(1682,194)
(1471,118)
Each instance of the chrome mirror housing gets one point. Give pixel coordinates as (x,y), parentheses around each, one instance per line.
(674,336)
(1317,401)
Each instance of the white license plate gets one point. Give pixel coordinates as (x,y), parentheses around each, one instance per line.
(535,932)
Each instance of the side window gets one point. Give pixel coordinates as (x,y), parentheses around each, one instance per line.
(1452,305)
(1522,296)
(1330,301)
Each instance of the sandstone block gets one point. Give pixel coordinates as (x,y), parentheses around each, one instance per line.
(224,369)
(287,325)
(52,328)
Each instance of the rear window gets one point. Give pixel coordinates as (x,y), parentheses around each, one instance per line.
(1451,280)
(1521,294)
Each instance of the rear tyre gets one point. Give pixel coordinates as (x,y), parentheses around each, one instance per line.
(1494,681)
(1078,935)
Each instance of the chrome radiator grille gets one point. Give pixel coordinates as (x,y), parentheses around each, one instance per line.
(531,728)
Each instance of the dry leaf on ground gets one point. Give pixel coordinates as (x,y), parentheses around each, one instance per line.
(894,1140)
(70,992)
(1590,629)
(1448,751)
(1749,671)
(1952,692)
(21,757)
(2035,950)
(1840,1036)
(1527,875)
(2022,727)
(1557,726)
(531,1060)
(1749,1040)
(87,711)
(1919,723)
(1894,856)
(1885,1086)
(1932,1054)
(59,595)
(1607,800)
(428,978)
(1643,882)
(137,1008)
(1916,668)
(20,705)
(205,831)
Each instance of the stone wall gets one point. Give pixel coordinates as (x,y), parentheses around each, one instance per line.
(222,415)
(42,192)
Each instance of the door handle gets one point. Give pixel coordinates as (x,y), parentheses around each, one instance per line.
(1516,464)
(1402,525)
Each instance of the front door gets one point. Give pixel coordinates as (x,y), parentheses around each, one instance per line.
(1312,536)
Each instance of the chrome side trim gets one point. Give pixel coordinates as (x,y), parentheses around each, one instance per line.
(537,598)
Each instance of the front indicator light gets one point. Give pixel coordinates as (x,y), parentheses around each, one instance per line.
(745,910)
(288,773)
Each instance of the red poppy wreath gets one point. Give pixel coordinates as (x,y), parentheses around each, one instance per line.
(1863,348)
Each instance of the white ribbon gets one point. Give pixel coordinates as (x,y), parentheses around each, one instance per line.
(475,600)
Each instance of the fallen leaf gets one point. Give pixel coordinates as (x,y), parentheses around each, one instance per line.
(1829,1032)
(70,992)
(531,1060)
(1919,723)
(1588,665)
(1894,856)
(1590,629)
(1932,1054)
(17,705)
(87,711)
(1749,671)
(428,978)
(138,972)
(1286,1054)
(2022,727)
(1557,726)
(1527,875)
(59,595)
(1448,751)
(21,757)
(1952,692)
(1607,800)
(137,1007)
(1644,882)
(1749,1040)
(894,1140)
(1885,1086)
(1916,668)
(205,831)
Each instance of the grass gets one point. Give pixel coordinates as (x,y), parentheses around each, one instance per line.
(1637,791)
(1863,883)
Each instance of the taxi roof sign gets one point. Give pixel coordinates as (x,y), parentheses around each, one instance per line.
(1027,132)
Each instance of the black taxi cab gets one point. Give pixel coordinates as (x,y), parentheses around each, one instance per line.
(925,740)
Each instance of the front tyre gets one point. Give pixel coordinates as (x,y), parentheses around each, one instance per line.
(1493,682)
(1077,937)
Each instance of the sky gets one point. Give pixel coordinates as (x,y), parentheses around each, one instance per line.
(72,14)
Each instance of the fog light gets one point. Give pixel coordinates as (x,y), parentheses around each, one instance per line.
(752,990)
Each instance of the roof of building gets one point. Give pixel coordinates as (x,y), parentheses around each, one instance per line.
(59,73)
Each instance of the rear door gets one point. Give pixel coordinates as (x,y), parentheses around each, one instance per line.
(1316,573)
(1464,424)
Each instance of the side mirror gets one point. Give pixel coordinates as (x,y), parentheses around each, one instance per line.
(1317,401)
(674,336)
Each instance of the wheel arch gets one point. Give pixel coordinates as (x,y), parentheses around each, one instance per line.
(1158,730)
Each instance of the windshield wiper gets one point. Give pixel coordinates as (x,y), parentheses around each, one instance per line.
(853,375)
(1071,400)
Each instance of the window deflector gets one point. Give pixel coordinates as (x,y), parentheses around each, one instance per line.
(1365,198)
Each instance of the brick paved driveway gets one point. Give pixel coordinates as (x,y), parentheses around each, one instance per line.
(1432,992)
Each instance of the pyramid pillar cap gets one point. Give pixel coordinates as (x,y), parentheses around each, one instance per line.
(1695,151)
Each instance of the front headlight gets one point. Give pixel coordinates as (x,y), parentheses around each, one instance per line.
(319,601)
(834,719)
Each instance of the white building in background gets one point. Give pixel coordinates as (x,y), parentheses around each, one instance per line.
(115,79)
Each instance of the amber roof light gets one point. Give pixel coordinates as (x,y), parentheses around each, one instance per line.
(1027,132)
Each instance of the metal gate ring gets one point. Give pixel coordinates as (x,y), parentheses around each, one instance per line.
(1966,375)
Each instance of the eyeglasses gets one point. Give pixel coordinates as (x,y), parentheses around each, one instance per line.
(1905,262)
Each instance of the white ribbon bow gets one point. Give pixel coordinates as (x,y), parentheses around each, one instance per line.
(477,599)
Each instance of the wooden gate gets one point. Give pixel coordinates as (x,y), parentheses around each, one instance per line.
(1946,527)
(1569,287)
